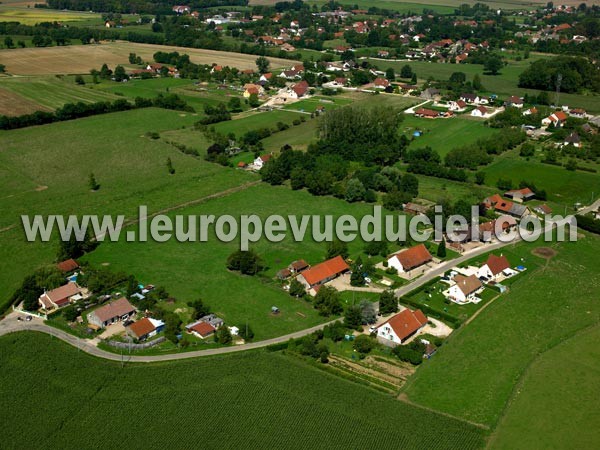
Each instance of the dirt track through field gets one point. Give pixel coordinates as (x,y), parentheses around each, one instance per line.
(12,104)
(75,59)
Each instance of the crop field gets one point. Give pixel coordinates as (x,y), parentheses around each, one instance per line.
(265,400)
(255,120)
(565,187)
(198,270)
(552,407)
(12,104)
(51,92)
(45,169)
(473,376)
(16,12)
(75,59)
(442,135)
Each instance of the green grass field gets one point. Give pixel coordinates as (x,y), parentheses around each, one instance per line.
(444,135)
(255,120)
(45,170)
(193,270)
(53,92)
(473,376)
(250,400)
(32,16)
(551,406)
(564,187)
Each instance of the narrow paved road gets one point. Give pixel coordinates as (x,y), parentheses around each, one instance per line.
(10,324)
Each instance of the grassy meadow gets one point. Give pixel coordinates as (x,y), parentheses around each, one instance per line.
(253,400)
(473,376)
(44,170)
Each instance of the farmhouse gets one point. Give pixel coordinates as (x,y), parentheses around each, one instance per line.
(323,272)
(261,160)
(493,267)
(298,266)
(401,327)
(250,89)
(469,98)
(578,113)
(458,105)
(112,312)
(543,209)
(180,9)
(300,89)
(61,296)
(145,328)
(465,289)
(500,205)
(381,83)
(407,260)
(530,111)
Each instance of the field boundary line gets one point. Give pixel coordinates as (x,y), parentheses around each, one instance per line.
(404,398)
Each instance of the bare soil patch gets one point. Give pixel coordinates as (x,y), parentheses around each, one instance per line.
(544,252)
(79,59)
(12,104)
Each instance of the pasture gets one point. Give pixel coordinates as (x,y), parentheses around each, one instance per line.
(80,59)
(12,104)
(551,406)
(473,375)
(254,399)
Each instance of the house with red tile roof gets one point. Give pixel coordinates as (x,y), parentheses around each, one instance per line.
(68,265)
(201,329)
(144,328)
(557,119)
(401,327)
(59,297)
(323,272)
(520,195)
(493,267)
(413,258)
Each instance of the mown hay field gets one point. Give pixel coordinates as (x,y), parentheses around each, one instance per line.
(12,104)
(75,59)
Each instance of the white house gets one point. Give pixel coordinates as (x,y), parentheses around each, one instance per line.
(401,327)
(410,259)
(464,289)
(480,111)
(493,267)
(260,161)
(458,105)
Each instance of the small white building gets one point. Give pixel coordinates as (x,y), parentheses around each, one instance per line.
(410,259)
(493,267)
(464,289)
(400,327)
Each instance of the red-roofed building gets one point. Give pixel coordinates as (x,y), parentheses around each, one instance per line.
(426,113)
(557,119)
(493,267)
(401,327)
(68,265)
(201,329)
(141,329)
(323,272)
(410,259)
(59,297)
(300,89)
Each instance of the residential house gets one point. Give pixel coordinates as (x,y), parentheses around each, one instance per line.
(213,319)
(469,98)
(145,328)
(201,329)
(493,267)
(530,111)
(457,105)
(284,274)
(381,83)
(557,119)
(250,89)
(266,77)
(112,312)
(464,289)
(261,160)
(480,111)
(426,113)
(60,297)
(400,327)
(578,113)
(413,258)
(300,89)
(323,272)
(543,209)
(431,94)
(514,101)
(414,208)
(181,9)
(573,139)
(298,266)
(500,205)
